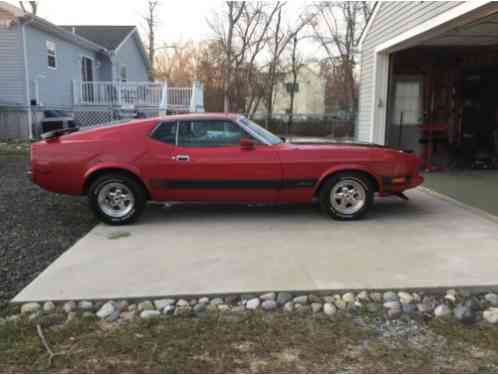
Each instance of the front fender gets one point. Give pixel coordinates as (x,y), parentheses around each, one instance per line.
(347,168)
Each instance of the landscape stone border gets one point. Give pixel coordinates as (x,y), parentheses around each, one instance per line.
(461,305)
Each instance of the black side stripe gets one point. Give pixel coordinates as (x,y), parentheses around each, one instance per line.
(233,184)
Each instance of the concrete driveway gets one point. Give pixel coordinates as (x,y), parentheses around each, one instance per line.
(426,242)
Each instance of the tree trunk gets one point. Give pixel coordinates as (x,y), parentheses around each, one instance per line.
(273,68)
(294,83)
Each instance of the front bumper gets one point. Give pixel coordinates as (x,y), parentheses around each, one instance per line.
(415,181)
(393,186)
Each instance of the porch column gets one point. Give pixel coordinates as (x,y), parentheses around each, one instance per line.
(74,92)
(163,105)
(197,99)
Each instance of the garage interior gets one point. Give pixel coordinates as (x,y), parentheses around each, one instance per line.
(443,104)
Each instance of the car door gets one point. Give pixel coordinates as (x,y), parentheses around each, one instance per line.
(158,165)
(211,165)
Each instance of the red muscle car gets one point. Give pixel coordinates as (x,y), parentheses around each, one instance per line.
(219,158)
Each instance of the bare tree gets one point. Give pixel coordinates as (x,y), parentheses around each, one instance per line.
(296,65)
(253,36)
(243,31)
(281,38)
(338,30)
(151,20)
(194,61)
(224,28)
(33,5)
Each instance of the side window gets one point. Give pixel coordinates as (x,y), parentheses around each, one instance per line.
(165,132)
(210,133)
(52,54)
(123,73)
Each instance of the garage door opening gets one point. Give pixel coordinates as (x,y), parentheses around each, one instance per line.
(443,104)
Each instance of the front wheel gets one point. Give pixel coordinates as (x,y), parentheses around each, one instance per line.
(347,196)
(117,199)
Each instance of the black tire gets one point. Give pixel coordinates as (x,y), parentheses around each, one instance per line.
(358,181)
(134,187)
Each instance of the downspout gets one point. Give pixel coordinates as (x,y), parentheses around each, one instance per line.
(26,76)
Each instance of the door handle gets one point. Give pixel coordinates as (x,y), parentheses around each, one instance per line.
(181,158)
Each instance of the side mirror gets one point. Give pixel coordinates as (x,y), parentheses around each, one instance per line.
(246,144)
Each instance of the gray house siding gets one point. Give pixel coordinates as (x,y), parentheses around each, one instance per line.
(55,85)
(104,71)
(12,75)
(391,20)
(130,55)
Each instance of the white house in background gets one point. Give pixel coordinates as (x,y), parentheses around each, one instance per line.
(94,73)
(309,97)
(310,92)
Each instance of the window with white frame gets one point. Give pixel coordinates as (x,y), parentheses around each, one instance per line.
(123,73)
(407,108)
(52,55)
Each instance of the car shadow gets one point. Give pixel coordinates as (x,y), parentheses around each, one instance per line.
(383,209)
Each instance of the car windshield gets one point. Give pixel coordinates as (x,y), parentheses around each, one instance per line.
(269,137)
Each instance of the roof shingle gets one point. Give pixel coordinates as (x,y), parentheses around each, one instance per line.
(109,37)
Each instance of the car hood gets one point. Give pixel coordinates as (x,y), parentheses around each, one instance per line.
(319,144)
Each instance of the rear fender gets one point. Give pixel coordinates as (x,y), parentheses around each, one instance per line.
(347,168)
(111,165)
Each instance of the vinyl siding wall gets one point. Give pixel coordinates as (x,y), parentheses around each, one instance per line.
(12,76)
(130,55)
(104,72)
(55,85)
(391,20)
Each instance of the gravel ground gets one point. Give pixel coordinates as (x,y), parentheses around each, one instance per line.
(36,226)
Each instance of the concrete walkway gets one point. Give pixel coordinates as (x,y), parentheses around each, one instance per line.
(477,188)
(427,242)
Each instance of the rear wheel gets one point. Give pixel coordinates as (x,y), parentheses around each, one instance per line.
(347,196)
(117,199)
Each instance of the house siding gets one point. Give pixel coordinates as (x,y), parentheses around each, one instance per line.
(104,72)
(55,85)
(12,74)
(392,19)
(130,55)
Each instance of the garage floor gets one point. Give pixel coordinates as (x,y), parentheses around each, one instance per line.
(478,188)
(427,242)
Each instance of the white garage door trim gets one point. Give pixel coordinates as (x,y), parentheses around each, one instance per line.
(426,30)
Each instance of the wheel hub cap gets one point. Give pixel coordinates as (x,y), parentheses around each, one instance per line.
(116,200)
(348,197)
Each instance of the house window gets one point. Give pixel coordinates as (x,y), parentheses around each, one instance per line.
(407,108)
(291,87)
(123,73)
(52,55)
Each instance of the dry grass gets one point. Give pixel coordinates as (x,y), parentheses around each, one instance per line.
(14,148)
(253,343)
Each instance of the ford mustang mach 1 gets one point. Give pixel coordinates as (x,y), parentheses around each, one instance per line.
(214,158)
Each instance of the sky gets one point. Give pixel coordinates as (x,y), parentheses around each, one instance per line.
(179,20)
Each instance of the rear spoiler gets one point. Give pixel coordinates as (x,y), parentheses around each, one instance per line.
(58,133)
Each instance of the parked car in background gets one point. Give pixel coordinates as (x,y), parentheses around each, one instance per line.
(217,158)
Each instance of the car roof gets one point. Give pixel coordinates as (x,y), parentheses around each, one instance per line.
(202,116)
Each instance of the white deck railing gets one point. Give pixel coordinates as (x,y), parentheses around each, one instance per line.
(138,94)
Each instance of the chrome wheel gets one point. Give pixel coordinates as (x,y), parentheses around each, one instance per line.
(348,196)
(116,200)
